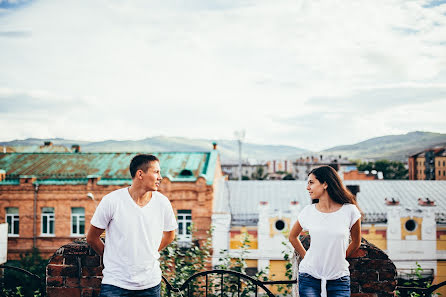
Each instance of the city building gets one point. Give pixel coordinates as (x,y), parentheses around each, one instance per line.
(48,199)
(231,169)
(406,219)
(304,165)
(429,164)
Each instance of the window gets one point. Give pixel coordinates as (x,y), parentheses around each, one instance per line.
(439,172)
(47,220)
(12,218)
(280,225)
(77,221)
(184,225)
(411,225)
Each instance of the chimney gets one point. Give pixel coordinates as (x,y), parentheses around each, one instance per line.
(354,189)
(76,148)
(214,145)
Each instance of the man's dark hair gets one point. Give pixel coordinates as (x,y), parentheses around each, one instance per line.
(141,162)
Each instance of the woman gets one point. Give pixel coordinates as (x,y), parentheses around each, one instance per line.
(323,270)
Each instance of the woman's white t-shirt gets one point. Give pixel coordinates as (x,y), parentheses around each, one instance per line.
(329,232)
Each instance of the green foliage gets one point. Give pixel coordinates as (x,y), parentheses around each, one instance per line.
(231,283)
(288,177)
(416,280)
(259,174)
(287,254)
(179,262)
(17,284)
(390,169)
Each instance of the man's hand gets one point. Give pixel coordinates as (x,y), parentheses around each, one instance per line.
(168,237)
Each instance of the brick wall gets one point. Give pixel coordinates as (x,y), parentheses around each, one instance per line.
(195,196)
(74,270)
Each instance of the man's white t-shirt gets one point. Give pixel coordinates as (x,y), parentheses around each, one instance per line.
(329,232)
(133,236)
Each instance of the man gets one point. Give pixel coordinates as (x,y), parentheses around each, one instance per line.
(139,222)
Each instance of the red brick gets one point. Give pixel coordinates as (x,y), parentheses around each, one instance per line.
(91,282)
(91,261)
(363,295)
(374,287)
(387,275)
(354,287)
(359,253)
(89,292)
(65,292)
(366,276)
(62,270)
(91,271)
(54,281)
(71,260)
(57,260)
(72,282)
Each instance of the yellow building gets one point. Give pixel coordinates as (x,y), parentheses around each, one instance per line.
(406,219)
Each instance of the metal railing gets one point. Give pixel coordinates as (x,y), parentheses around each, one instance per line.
(423,292)
(204,290)
(42,284)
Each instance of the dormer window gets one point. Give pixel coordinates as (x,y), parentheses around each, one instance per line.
(186,172)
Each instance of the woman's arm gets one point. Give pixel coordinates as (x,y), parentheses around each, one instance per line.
(294,239)
(356,238)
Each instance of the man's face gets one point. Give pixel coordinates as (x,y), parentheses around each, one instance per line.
(151,179)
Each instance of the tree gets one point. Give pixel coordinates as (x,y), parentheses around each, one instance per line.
(19,284)
(390,169)
(289,176)
(259,174)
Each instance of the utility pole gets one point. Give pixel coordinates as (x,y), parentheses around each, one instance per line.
(239,136)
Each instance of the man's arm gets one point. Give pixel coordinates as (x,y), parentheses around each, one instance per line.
(168,237)
(94,239)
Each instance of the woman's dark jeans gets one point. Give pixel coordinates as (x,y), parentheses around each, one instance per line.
(113,291)
(311,287)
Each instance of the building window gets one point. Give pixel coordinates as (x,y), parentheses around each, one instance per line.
(47,220)
(439,172)
(280,225)
(410,225)
(184,225)
(12,218)
(77,221)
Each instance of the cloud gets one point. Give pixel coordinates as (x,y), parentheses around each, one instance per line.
(285,71)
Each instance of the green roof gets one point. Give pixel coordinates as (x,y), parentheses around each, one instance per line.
(113,168)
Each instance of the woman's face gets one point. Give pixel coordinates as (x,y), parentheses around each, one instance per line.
(314,187)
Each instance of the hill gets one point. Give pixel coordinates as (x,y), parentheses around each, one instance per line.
(391,147)
(228,148)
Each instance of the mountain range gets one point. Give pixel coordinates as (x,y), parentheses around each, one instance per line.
(392,147)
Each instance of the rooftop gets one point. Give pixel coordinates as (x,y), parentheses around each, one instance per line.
(113,168)
(242,198)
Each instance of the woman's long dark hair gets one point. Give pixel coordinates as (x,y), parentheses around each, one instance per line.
(335,188)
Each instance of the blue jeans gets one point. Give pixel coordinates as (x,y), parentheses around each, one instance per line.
(311,287)
(113,291)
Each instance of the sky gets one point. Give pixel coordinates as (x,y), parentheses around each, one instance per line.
(306,73)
